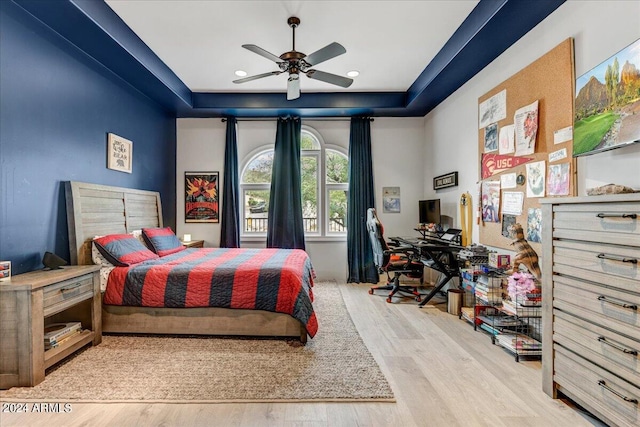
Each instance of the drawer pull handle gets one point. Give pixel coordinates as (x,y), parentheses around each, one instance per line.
(603,215)
(604,385)
(618,258)
(70,288)
(617,346)
(621,304)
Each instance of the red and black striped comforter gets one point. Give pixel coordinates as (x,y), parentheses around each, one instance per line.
(277,280)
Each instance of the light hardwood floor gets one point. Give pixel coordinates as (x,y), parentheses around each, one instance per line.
(443,373)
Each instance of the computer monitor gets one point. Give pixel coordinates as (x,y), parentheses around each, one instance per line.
(429,211)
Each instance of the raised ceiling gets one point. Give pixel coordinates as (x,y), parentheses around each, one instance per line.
(411,55)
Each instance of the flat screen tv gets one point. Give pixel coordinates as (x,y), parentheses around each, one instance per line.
(607,104)
(429,211)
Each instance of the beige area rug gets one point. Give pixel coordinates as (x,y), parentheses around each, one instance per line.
(335,365)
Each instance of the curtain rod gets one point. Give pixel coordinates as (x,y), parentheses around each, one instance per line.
(269,119)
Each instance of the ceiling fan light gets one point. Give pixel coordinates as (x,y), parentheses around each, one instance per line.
(240,73)
(353,73)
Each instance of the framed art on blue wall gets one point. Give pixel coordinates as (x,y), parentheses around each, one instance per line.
(201,202)
(119,153)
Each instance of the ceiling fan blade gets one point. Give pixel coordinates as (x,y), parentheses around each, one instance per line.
(293,88)
(260,51)
(334,79)
(257,76)
(329,51)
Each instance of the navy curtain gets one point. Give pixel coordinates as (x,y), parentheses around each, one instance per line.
(230,233)
(285,228)
(361,197)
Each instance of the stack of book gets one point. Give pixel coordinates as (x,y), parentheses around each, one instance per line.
(57,333)
(467,314)
(519,343)
(489,289)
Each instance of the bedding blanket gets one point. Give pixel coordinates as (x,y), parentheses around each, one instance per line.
(278,280)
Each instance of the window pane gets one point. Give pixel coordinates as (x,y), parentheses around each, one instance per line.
(308,141)
(337,167)
(258,171)
(310,193)
(337,211)
(256,208)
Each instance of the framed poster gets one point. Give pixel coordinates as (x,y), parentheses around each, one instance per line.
(119,153)
(391,199)
(201,203)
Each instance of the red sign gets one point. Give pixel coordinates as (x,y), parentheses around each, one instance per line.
(496,163)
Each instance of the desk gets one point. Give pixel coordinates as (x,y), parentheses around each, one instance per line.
(438,255)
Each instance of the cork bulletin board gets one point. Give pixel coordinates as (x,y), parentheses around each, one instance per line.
(550,81)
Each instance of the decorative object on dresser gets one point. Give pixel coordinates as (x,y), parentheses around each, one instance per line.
(5,270)
(33,301)
(591,295)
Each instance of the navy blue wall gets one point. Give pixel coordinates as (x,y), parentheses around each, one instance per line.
(56,107)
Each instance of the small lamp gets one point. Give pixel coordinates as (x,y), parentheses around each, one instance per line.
(186,238)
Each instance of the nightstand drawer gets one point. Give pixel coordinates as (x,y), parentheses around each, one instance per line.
(65,294)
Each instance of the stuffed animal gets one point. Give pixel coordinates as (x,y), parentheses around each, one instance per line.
(525,254)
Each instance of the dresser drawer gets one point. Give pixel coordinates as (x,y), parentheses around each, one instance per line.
(65,294)
(598,222)
(603,392)
(598,304)
(606,264)
(605,348)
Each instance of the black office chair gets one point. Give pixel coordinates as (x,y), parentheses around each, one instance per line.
(397,259)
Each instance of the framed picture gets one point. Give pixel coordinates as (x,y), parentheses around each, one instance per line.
(201,202)
(5,270)
(391,199)
(119,153)
(444,181)
(605,100)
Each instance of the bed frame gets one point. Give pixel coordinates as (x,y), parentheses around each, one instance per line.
(95,210)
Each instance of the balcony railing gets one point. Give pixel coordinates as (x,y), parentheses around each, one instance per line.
(259,225)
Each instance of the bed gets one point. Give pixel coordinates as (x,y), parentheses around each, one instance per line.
(99,210)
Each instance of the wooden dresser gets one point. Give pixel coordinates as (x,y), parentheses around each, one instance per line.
(591,301)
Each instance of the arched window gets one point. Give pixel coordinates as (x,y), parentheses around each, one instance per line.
(324,173)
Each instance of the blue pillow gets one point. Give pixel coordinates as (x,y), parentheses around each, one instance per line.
(162,240)
(123,249)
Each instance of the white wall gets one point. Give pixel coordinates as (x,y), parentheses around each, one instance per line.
(600,29)
(397,149)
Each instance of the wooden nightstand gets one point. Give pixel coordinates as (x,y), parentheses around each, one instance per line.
(194,244)
(32,300)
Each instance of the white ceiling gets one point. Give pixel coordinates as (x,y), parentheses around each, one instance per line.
(389,42)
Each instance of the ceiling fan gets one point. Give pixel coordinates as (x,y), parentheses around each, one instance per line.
(294,63)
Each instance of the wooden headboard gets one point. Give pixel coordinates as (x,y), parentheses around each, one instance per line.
(98,210)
